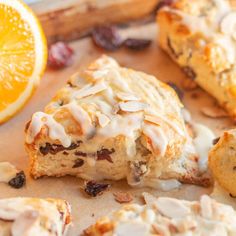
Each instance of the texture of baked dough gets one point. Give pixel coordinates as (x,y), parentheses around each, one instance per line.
(168,216)
(112,122)
(222,161)
(34,217)
(200,36)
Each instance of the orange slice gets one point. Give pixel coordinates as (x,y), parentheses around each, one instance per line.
(23,56)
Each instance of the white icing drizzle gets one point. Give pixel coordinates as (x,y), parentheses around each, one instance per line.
(103,120)
(203,143)
(55,129)
(158,138)
(81,116)
(156,120)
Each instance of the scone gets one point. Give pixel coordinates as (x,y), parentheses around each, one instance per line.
(200,36)
(112,122)
(222,161)
(169,217)
(34,217)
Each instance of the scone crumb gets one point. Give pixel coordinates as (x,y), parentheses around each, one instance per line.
(123,197)
(213,112)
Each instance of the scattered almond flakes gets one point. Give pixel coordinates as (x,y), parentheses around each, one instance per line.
(214,112)
(189,84)
(123,197)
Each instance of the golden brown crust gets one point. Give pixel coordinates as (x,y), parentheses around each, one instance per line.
(194,35)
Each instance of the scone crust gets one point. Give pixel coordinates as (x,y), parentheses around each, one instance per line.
(110,122)
(222,161)
(191,33)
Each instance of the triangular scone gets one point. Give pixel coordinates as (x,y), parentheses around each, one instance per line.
(170,217)
(34,217)
(111,122)
(200,36)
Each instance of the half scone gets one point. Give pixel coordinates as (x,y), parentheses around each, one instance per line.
(200,36)
(112,122)
(169,216)
(222,161)
(34,217)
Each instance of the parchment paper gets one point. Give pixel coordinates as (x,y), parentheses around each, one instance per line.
(86,210)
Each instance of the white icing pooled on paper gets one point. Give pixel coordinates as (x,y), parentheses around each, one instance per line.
(55,130)
(203,143)
(7,171)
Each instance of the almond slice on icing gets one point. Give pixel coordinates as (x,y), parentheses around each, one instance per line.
(24,223)
(103,120)
(214,112)
(206,207)
(172,208)
(131,228)
(8,214)
(132,106)
(91,89)
(7,172)
(228,24)
(149,198)
(127,96)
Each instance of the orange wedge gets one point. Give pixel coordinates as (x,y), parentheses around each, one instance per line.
(23,56)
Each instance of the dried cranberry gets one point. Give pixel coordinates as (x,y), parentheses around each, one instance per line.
(60,55)
(104,154)
(107,37)
(177,90)
(137,44)
(93,188)
(18,181)
(189,72)
(78,163)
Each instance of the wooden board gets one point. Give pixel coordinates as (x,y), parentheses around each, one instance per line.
(85,210)
(68,20)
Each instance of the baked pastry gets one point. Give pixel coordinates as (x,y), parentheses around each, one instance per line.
(34,216)
(222,161)
(111,122)
(199,35)
(169,216)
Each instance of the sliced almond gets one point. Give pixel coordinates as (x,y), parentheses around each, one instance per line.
(131,228)
(103,120)
(7,172)
(127,96)
(206,207)
(214,112)
(132,106)
(149,198)
(24,223)
(91,89)
(172,208)
(228,24)
(8,214)
(123,197)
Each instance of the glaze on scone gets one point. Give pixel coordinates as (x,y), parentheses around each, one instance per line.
(34,217)
(222,161)
(200,36)
(169,217)
(112,122)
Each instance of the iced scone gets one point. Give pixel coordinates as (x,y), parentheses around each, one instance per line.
(222,161)
(111,122)
(200,36)
(34,217)
(168,216)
